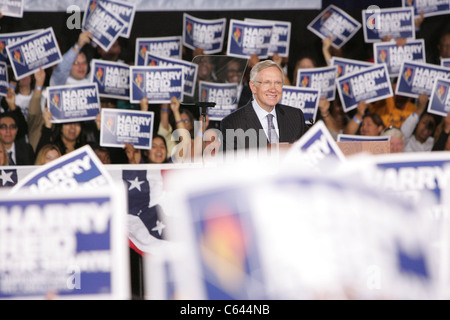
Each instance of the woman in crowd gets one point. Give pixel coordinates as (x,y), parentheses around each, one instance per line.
(48,153)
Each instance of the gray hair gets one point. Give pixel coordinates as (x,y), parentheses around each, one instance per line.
(393,132)
(264,65)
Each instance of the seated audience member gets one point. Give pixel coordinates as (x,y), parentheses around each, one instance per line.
(4,158)
(48,153)
(19,151)
(74,67)
(397,140)
(279,123)
(442,134)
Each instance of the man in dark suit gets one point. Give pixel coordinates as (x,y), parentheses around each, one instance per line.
(20,152)
(263,120)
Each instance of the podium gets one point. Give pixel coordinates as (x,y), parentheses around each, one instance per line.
(349,148)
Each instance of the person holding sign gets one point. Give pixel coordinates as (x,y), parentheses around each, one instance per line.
(442,134)
(73,69)
(263,114)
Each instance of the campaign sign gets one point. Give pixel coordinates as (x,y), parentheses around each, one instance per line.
(158,84)
(445,62)
(162,46)
(304,99)
(393,55)
(281,36)
(12,8)
(440,98)
(189,69)
(354,137)
(71,103)
(429,7)
(36,51)
(347,66)
(120,126)
(369,85)
(336,23)
(7,39)
(247,38)
(205,34)
(223,94)
(392,22)
(122,9)
(112,79)
(64,246)
(415,78)
(315,147)
(104,25)
(78,170)
(323,78)
(4,82)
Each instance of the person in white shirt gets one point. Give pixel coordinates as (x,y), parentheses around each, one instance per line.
(73,69)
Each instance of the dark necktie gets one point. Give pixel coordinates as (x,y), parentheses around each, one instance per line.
(11,161)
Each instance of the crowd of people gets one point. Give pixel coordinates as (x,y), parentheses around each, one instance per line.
(28,136)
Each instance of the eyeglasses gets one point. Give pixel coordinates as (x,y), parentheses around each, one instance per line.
(78,63)
(10,127)
(269,84)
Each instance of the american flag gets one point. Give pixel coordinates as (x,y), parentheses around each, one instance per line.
(147,220)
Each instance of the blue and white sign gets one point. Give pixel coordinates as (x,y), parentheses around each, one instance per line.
(206,34)
(429,7)
(354,137)
(304,99)
(124,10)
(112,79)
(71,103)
(315,148)
(445,62)
(12,8)
(369,85)
(7,39)
(120,126)
(323,78)
(281,36)
(104,25)
(37,51)
(158,84)
(190,69)
(393,55)
(440,98)
(4,82)
(223,94)
(334,22)
(64,246)
(416,78)
(247,38)
(392,22)
(346,66)
(78,170)
(170,47)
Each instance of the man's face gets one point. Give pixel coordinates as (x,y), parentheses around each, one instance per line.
(268,88)
(8,130)
(444,46)
(79,67)
(425,128)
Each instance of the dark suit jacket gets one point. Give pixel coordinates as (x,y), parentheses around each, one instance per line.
(291,125)
(24,153)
